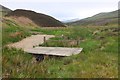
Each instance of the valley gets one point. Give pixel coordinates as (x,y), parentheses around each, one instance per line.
(98,59)
(99,55)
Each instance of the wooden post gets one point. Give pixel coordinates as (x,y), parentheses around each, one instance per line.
(68,38)
(44,39)
(77,42)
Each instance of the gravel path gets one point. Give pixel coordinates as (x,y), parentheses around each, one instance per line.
(31,41)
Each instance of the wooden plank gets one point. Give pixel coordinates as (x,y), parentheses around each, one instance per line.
(58,51)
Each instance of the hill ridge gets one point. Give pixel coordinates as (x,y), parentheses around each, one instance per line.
(103,18)
(38,18)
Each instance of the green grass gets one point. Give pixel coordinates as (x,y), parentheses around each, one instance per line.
(12,32)
(97,64)
(99,58)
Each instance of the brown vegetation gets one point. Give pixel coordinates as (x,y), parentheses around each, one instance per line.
(38,18)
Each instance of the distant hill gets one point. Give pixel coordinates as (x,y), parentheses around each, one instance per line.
(98,19)
(71,20)
(37,18)
(4,10)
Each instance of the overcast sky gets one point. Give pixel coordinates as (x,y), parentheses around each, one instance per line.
(64,9)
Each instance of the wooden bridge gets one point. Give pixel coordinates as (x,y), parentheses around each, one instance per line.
(28,43)
(57,51)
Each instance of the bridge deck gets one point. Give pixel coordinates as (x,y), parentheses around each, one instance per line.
(58,51)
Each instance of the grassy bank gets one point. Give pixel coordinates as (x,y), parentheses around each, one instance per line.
(97,64)
(98,59)
(12,32)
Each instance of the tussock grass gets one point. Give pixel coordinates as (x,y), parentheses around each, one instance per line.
(18,64)
(12,32)
(99,58)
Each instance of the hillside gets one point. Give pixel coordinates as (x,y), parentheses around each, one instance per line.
(4,10)
(99,19)
(99,58)
(37,18)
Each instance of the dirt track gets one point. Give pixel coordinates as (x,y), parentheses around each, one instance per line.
(31,41)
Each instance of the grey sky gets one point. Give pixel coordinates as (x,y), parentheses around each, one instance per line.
(64,9)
